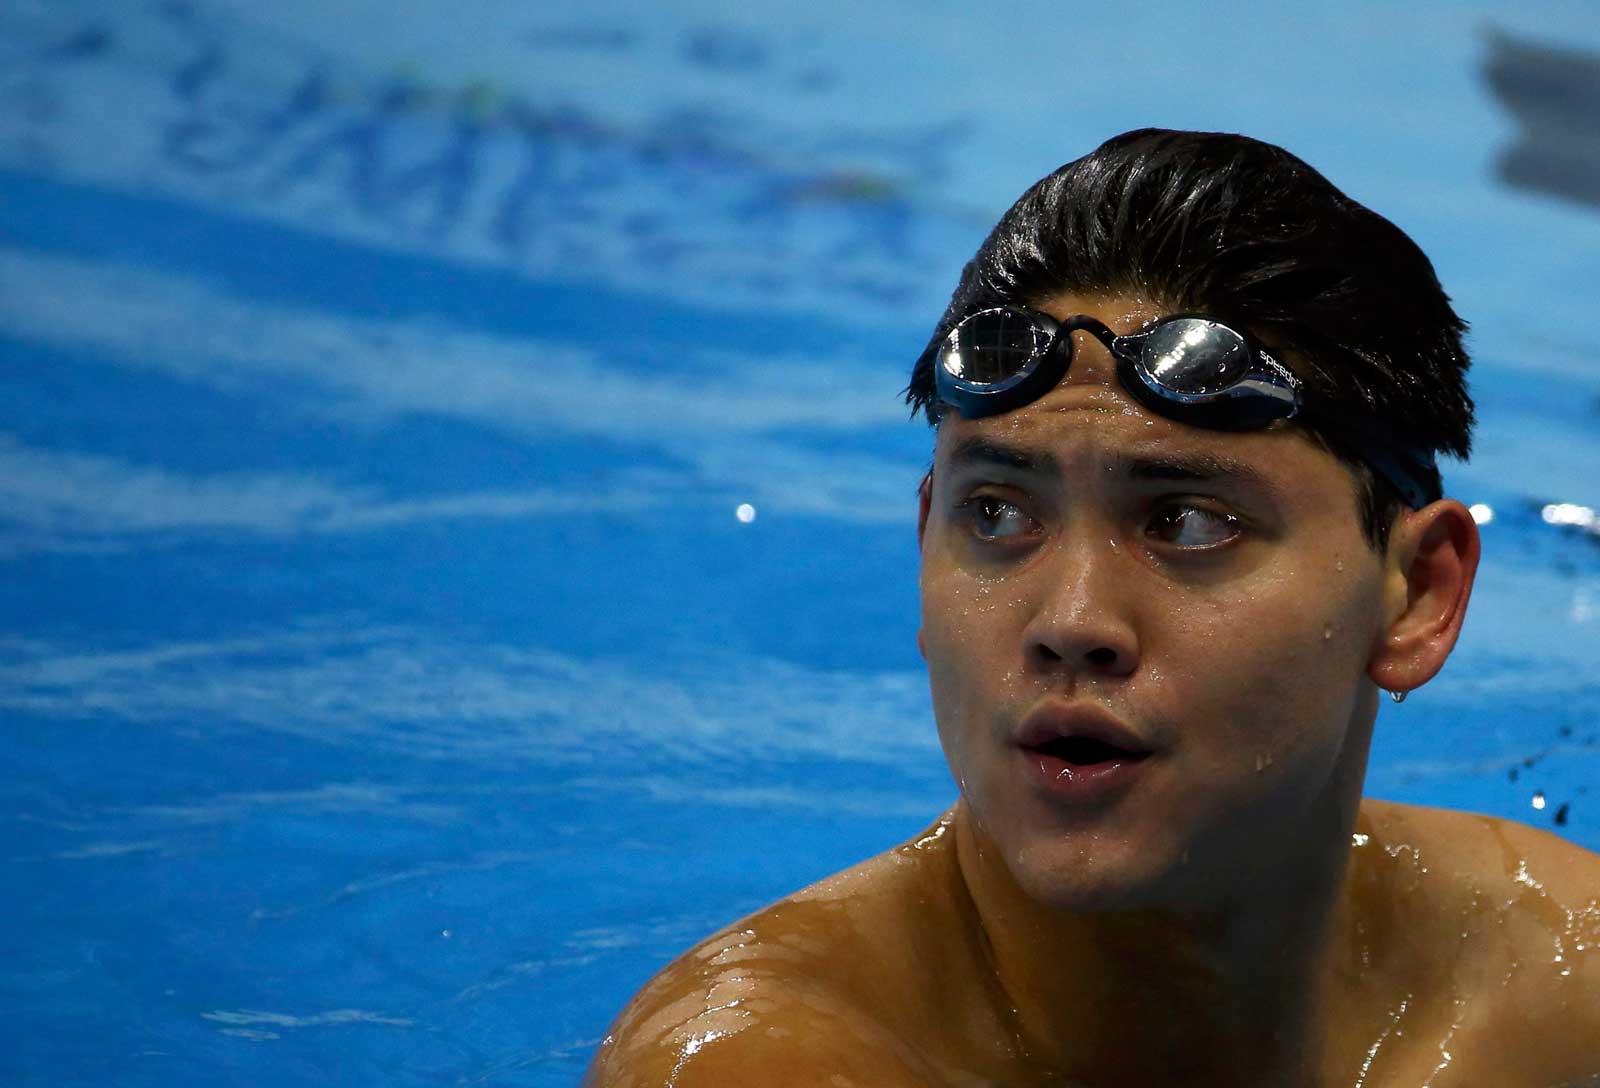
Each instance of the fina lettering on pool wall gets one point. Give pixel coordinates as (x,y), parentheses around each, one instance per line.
(693,192)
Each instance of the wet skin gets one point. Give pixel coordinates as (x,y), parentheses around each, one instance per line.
(1222,908)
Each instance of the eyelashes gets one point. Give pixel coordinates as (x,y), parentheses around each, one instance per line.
(1189,526)
(1173,525)
(991,519)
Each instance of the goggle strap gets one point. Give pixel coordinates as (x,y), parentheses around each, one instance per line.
(1406,468)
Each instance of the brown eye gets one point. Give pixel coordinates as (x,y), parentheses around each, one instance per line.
(994,519)
(1186,526)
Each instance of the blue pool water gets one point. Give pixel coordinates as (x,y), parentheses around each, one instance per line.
(389,683)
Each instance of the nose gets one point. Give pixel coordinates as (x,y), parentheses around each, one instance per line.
(1083,621)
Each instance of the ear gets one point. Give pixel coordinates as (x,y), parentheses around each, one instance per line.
(1431,561)
(924,501)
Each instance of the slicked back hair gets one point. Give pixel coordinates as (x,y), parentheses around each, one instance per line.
(1247,233)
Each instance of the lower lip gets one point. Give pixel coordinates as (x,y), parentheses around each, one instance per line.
(1079,781)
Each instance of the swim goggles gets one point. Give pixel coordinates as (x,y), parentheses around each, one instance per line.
(1186,367)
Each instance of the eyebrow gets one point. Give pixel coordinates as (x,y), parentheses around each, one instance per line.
(974,450)
(1189,467)
(1192,468)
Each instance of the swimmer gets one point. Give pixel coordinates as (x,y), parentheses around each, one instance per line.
(1182,532)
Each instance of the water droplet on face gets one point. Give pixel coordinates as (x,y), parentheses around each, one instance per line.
(1327,632)
(1339,566)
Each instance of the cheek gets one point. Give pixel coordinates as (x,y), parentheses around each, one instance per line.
(1279,669)
(965,615)
(971,638)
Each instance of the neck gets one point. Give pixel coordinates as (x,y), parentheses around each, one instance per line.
(1233,991)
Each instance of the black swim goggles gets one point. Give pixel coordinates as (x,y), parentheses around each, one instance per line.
(1186,367)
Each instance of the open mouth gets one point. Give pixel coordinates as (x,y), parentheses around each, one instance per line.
(1086,751)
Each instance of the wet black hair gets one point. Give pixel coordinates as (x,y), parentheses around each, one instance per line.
(1248,233)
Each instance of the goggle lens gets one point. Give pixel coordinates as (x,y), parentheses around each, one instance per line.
(1188,356)
(993,347)
(1194,357)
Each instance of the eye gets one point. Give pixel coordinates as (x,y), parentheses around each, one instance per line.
(1187,526)
(993,519)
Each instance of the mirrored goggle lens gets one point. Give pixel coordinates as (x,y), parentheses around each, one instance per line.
(1193,356)
(993,346)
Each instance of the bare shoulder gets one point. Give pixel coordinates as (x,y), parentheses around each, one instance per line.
(1487,853)
(688,1029)
(1505,919)
(800,993)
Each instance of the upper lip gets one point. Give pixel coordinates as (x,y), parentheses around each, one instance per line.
(1054,721)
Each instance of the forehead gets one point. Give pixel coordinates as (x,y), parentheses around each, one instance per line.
(1089,420)
(1121,312)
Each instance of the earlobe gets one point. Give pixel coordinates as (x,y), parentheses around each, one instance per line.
(1432,560)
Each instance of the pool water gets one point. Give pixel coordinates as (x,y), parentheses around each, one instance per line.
(457,510)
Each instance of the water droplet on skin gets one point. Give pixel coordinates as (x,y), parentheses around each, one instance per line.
(1263,761)
(1339,566)
(1327,632)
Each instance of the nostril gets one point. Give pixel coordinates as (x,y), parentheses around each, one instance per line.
(1100,643)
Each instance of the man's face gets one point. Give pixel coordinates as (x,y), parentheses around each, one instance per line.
(1090,569)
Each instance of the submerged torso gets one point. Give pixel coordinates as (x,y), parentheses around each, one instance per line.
(1474,963)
